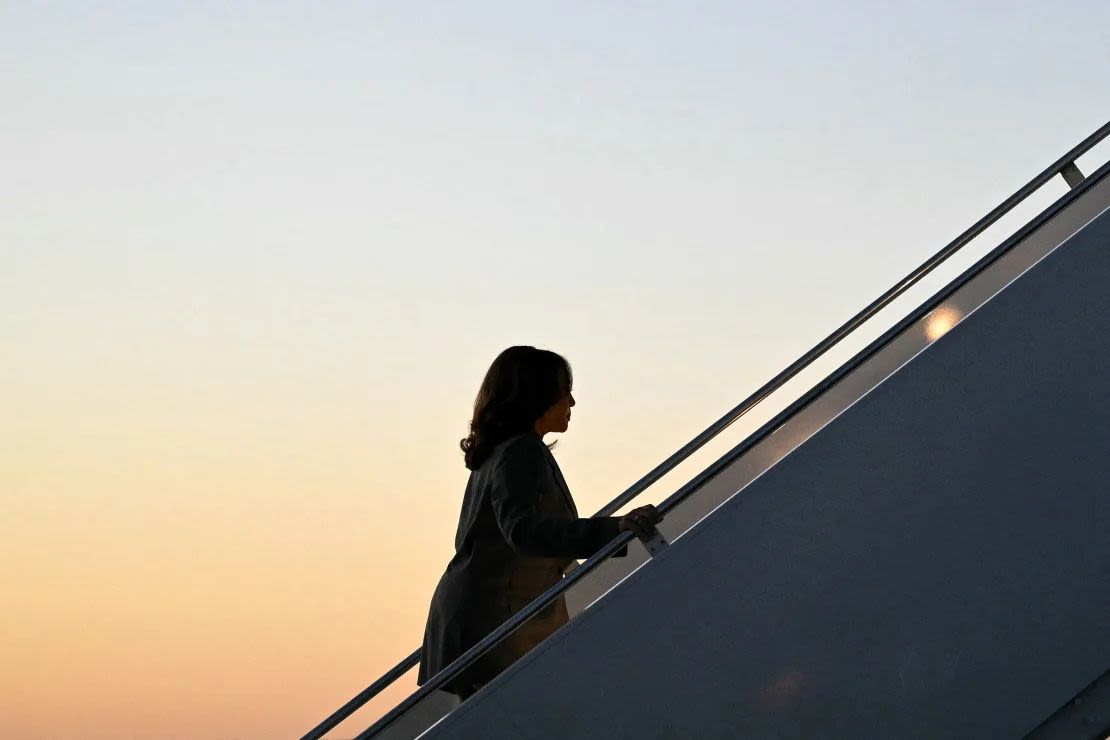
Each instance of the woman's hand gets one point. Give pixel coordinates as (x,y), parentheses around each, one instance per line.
(641,521)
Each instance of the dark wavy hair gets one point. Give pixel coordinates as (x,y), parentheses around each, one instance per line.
(519,387)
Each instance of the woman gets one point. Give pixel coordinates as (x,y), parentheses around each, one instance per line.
(518,529)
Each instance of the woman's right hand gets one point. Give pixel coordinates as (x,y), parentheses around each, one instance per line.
(641,521)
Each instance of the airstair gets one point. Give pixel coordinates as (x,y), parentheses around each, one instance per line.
(915,546)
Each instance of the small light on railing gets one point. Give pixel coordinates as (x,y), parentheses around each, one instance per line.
(941,321)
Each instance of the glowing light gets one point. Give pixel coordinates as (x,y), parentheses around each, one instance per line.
(941,321)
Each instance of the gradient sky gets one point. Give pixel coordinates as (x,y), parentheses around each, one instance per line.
(256,258)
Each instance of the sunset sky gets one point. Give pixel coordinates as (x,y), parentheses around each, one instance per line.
(257,256)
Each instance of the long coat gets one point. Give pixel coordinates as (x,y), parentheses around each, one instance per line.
(518,531)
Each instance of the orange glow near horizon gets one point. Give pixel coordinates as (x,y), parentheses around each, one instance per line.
(194,559)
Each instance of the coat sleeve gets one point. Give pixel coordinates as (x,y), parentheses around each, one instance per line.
(520,477)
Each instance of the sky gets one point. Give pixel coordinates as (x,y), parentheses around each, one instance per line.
(255,258)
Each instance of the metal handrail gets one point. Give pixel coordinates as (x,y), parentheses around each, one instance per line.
(365,695)
(1064,162)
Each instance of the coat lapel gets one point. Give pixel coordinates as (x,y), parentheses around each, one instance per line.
(559,480)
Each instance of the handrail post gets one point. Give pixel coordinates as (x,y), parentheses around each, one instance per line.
(655,544)
(1071,174)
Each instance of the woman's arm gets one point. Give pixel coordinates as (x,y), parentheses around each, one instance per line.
(521,475)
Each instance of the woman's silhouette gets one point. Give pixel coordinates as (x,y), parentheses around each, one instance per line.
(518,529)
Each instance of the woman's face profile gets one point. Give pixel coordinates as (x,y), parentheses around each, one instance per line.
(557,418)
